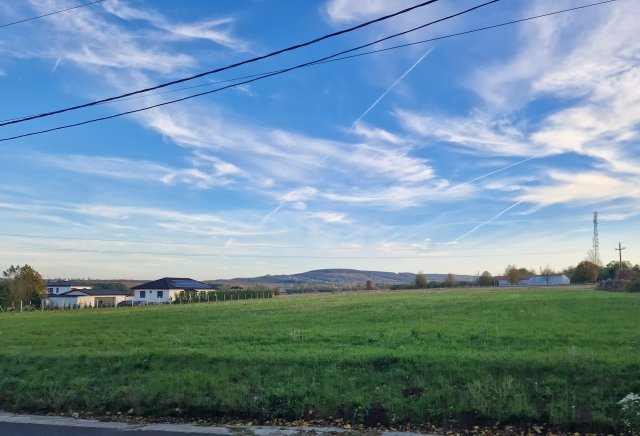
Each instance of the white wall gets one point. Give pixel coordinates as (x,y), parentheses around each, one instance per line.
(553,280)
(151,295)
(57,290)
(82,300)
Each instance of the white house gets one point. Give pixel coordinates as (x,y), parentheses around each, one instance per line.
(87,298)
(536,280)
(59,288)
(165,290)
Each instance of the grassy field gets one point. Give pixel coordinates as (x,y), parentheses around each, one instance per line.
(563,357)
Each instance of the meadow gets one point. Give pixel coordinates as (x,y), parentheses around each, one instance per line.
(561,357)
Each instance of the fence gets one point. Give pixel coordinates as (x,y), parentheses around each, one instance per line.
(221,296)
(182,298)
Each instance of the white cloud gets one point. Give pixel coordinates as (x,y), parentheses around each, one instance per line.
(352,10)
(589,69)
(478,132)
(216,30)
(399,196)
(330,217)
(299,195)
(580,188)
(99,42)
(287,157)
(212,171)
(375,133)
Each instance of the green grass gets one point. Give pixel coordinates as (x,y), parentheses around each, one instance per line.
(563,357)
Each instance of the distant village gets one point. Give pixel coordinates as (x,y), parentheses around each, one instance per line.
(167,290)
(76,294)
(23,288)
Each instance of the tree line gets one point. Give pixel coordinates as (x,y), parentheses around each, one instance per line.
(609,276)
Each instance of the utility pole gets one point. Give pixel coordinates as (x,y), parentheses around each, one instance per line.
(619,249)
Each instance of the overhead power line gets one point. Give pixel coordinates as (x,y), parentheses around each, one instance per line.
(228,67)
(341,58)
(50,13)
(275,256)
(275,73)
(235,245)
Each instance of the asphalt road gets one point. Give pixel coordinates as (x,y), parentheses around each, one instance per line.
(13,429)
(39,425)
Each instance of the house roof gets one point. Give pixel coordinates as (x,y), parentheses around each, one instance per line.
(528,277)
(66,284)
(522,277)
(92,292)
(173,283)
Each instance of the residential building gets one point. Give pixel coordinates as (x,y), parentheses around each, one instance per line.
(59,288)
(87,298)
(167,289)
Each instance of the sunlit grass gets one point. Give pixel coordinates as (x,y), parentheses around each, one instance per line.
(563,357)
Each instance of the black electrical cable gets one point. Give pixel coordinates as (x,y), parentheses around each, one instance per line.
(341,58)
(275,73)
(267,256)
(50,13)
(228,67)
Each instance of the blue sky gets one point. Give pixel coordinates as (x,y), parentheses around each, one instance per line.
(493,149)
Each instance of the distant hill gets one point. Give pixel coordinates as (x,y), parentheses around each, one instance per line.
(341,277)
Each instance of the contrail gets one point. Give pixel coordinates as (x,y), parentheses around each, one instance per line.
(55,67)
(328,155)
(487,222)
(270,214)
(375,103)
(491,173)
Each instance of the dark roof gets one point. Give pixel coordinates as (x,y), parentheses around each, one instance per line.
(528,277)
(93,292)
(173,283)
(66,284)
(522,277)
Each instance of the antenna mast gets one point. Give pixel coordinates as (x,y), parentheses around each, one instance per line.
(596,241)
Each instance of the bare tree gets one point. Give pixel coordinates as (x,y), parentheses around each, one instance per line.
(421,280)
(450,282)
(546,273)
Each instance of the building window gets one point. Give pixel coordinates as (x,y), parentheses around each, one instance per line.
(57,290)
(143,294)
(160,294)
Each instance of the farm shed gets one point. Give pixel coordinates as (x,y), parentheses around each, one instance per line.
(554,280)
(536,280)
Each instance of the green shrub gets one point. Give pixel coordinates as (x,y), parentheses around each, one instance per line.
(630,407)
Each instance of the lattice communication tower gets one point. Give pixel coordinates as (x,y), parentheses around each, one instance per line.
(596,241)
